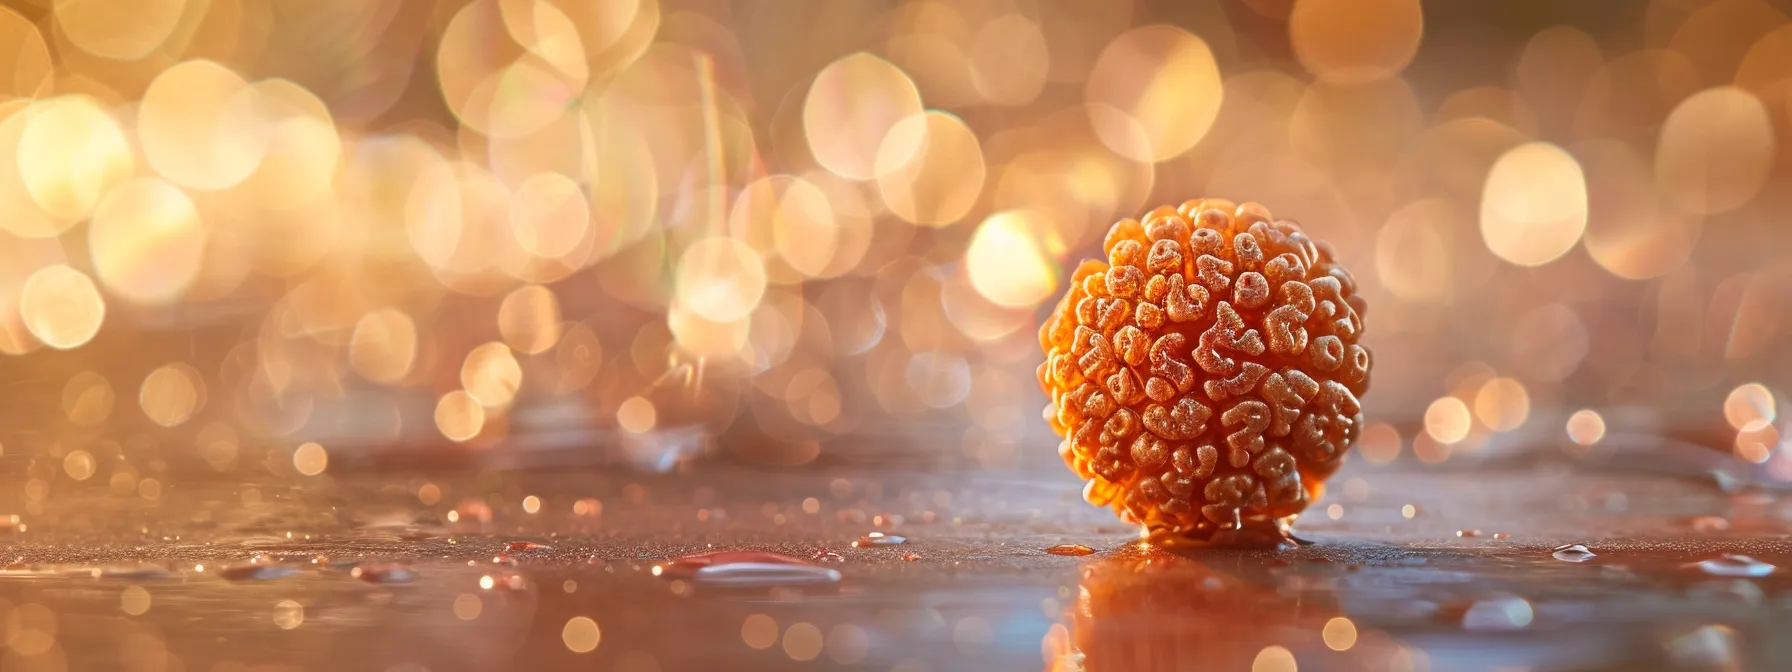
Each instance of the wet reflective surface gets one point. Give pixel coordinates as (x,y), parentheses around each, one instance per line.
(722,566)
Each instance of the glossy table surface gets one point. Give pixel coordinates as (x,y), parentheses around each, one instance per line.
(1412,566)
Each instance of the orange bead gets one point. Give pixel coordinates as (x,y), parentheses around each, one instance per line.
(1206,377)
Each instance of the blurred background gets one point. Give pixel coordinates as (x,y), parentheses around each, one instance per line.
(251,236)
(254,250)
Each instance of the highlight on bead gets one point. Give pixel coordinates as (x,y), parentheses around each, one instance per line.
(1206,374)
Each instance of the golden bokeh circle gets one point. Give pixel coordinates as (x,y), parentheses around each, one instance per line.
(171,394)
(146,241)
(720,279)
(459,417)
(1715,150)
(202,126)
(71,151)
(1355,40)
(87,399)
(930,169)
(383,347)
(529,319)
(851,108)
(120,30)
(1010,259)
(549,215)
(1534,204)
(1154,93)
(491,375)
(26,70)
(61,307)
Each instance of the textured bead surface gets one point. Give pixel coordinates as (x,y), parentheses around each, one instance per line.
(1206,376)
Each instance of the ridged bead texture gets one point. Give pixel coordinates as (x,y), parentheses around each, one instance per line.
(1206,376)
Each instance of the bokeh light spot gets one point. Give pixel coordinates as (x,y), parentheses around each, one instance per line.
(384,346)
(1534,204)
(802,642)
(930,169)
(71,152)
(120,30)
(1715,150)
(146,241)
(1586,427)
(1447,420)
(759,631)
(288,614)
(851,108)
(720,279)
(61,307)
(1502,404)
(491,375)
(529,319)
(1750,405)
(1154,93)
(25,67)
(636,415)
(1339,634)
(87,399)
(1355,40)
(171,394)
(202,126)
(310,459)
(1010,259)
(459,416)
(79,465)
(580,634)
(549,215)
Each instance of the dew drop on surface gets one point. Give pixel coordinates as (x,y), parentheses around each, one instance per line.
(1468,533)
(744,569)
(825,555)
(1070,549)
(755,574)
(516,546)
(1573,553)
(879,539)
(1735,565)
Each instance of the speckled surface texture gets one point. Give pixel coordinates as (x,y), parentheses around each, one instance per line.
(1467,582)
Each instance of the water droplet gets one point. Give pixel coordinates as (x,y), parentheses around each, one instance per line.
(879,539)
(1573,553)
(1070,549)
(1503,612)
(911,557)
(765,574)
(825,555)
(1502,535)
(386,573)
(519,546)
(1735,565)
(743,569)
(1466,533)
(254,572)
